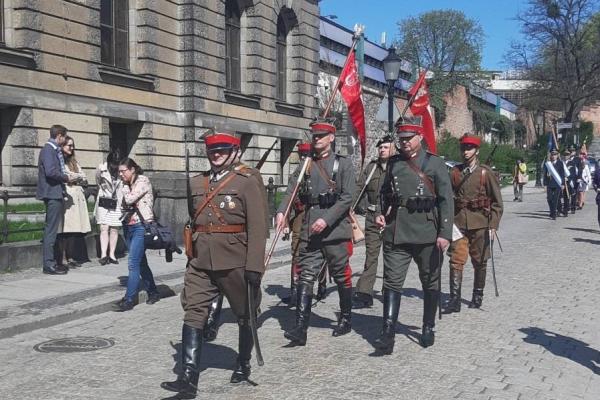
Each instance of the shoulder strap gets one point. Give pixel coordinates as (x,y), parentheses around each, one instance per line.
(212,194)
(426,180)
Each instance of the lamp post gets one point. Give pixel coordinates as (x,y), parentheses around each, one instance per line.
(391,71)
(541,120)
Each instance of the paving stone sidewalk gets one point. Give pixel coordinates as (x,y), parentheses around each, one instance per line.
(539,340)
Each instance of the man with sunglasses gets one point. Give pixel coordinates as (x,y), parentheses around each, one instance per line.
(228,252)
(477,211)
(415,213)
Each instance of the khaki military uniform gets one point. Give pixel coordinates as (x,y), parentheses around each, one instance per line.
(229,237)
(478,208)
(373,234)
(411,234)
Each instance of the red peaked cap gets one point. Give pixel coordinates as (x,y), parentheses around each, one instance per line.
(222,140)
(304,147)
(405,130)
(322,127)
(470,139)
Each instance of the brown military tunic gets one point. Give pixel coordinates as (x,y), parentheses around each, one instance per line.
(229,237)
(478,206)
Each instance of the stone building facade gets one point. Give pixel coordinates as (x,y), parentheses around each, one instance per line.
(151,76)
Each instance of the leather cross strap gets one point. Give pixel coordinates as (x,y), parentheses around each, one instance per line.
(426,180)
(212,195)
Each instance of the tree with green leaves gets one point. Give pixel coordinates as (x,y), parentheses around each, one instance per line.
(559,54)
(445,42)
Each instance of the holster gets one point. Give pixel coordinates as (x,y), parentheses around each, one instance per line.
(188,242)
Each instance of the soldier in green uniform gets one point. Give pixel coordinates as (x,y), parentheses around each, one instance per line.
(374,173)
(326,235)
(477,212)
(416,212)
(228,254)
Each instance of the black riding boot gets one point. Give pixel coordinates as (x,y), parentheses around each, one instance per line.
(430,304)
(303,306)
(293,288)
(453,304)
(478,285)
(214,317)
(242,371)
(321,285)
(391,307)
(345,320)
(187,381)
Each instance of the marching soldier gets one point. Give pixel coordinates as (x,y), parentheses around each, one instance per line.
(228,256)
(573,172)
(555,175)
(375,171)
(416,214)
(477,211)
(326,194)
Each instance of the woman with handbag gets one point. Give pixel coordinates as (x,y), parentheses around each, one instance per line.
(108,206)
(585,182)
(520,178)
(137,202)
(71,241)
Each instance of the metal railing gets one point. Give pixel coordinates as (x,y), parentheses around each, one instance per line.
(5,230)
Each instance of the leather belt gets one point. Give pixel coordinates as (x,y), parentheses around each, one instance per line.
(232,228)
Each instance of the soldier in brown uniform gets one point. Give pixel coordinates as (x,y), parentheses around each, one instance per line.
(375,172)
(477,212)
(228,253)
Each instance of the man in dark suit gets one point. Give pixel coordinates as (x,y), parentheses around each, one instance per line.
(50,188)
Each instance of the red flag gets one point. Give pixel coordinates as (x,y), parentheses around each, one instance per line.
(420,107)
(351,93)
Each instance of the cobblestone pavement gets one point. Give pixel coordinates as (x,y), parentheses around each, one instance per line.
(539,340)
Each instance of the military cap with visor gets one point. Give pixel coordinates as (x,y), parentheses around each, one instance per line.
(321,127)
(470,140)
(221,141)
(408,130)
(385,139)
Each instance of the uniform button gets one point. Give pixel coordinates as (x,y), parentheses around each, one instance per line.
(212,188)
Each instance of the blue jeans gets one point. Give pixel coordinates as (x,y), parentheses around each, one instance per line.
(137,262)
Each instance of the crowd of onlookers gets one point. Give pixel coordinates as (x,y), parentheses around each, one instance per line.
(124,199)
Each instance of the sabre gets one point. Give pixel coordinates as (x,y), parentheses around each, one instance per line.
(252,312)
(493,264)
(440,262)
(498,239)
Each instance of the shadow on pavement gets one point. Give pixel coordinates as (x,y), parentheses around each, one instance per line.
(586,230)
(369,326)
(540,213)
(213,356)
(583,240)
(564,346)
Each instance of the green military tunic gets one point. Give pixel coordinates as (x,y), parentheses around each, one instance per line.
(229,237)
(369,204)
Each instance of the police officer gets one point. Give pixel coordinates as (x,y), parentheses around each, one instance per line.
(477,211)
(375,171)
(326,193)
(555,174)
(573,164)
(416,214)
(229,248)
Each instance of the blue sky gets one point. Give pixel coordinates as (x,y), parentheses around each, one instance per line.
(496,18)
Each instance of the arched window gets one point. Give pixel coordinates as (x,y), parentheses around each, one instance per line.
(281,60)
(114,33)
(232,45)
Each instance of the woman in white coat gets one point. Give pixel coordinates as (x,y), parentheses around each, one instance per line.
(108,206)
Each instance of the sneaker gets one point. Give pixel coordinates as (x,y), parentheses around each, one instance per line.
(153,298)
(123,305)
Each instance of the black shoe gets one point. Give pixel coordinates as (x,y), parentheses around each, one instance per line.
(361,300)
(241,372)
(477,298)
(391,307)
(321,291)
(153,298)
(553,218)
(124,305)
(56,270)
(245,345)
(73,264)
(298,334)
(113,260)
(187,381)
(103,260)
(344,325)
(427,336)
(454,303)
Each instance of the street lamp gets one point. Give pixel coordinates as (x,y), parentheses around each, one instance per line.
(391,70)
(540,126)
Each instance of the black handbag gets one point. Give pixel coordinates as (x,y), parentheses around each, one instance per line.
(157,236)
(108,203)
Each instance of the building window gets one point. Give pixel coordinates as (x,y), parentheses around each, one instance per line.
(232,45)
(281,61)
(114,32)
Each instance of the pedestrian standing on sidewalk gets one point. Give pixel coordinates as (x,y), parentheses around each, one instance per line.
(363,293)
(554,177)
(138,201)
(71,241)
(326,235)
(108,206)
(51,182)
(227,256)
(585,181)
(478,209)
(519,179)
(416,213)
